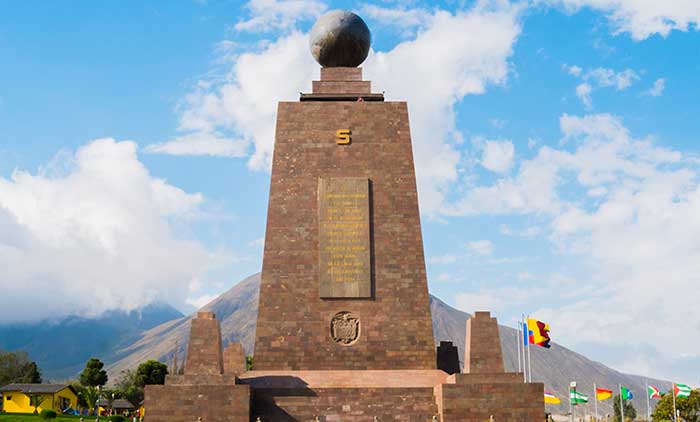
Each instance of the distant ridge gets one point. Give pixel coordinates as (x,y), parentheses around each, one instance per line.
(78,339)
(123,340)
(237,311)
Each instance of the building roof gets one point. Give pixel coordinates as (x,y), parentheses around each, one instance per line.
(117,404)
(36,388)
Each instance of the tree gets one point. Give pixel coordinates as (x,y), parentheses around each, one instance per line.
(91,394)
(630,411)
(249,363)
(92,379)
(131,383)
(93,375)
(35,400)
(128,386)
(151,372)
(109,395)
(15,367)
(688,407)
(79,391)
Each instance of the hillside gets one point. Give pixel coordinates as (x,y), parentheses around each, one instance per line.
(79,338)
(237,311)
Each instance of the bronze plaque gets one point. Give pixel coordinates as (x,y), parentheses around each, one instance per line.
(344,249)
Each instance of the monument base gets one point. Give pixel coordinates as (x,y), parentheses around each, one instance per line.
(347,396)
(187,403)
(392,395)
(478,397)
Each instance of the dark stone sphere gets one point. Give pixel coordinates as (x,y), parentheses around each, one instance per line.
(340,39)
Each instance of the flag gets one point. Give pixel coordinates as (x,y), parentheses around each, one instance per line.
(539,332)
(526,334)
(654,392)
(577,397)
(625,393)
(681,390)
(602,394)
(551,398)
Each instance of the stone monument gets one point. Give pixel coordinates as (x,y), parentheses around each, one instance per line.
(344,331)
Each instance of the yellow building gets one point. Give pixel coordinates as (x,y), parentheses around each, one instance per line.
(20,398)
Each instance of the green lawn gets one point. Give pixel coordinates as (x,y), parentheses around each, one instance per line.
(28,417)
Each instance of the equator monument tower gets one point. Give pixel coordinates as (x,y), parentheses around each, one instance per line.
(344,331)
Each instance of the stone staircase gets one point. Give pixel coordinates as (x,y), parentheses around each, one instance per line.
(409,404)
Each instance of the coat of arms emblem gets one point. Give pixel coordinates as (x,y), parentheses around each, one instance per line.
(345,328)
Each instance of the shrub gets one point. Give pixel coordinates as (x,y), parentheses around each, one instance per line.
(47,414)
(117,418)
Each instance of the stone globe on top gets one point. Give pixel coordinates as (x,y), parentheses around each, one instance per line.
(340,38)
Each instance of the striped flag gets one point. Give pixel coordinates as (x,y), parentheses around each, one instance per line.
(577,397)
(681,390)
(602,394)
(551,398)
(654,392)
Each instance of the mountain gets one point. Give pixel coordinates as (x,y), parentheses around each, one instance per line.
(237,311)
(62,347)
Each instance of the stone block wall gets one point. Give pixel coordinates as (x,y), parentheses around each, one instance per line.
(293,328)
(186,403)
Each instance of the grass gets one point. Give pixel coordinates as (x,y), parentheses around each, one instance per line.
(30,417)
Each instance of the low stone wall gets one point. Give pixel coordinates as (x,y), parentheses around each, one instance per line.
(186,403)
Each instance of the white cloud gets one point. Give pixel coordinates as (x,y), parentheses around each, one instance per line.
(642,18)
(657,89)
(275,15)
(432,87)
(200,301)
(600,77)
(481,247)
(636,238)
(443,259)
(242,104)
(528,232)
(407,20)
(94,231)
(573,70)
(608,77)
(497,156)
(202,143)
(583,92)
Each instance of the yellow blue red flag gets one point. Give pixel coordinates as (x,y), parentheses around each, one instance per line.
(538,332)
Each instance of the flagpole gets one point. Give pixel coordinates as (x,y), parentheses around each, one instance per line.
(571,407)
(529,358)
(520,338)
(595,397)
(648,408)
(673,394)
(622,405)
(522,328)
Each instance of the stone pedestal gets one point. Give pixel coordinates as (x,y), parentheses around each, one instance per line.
(485,389)
(204,390)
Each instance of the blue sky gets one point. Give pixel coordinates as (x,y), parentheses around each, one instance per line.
(555,145)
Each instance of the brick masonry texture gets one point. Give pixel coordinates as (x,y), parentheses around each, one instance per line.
(293,329)
(483,352)
(345,404)
(203,390)
(234,359)
(185,403)
(485,389)
(204,348)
